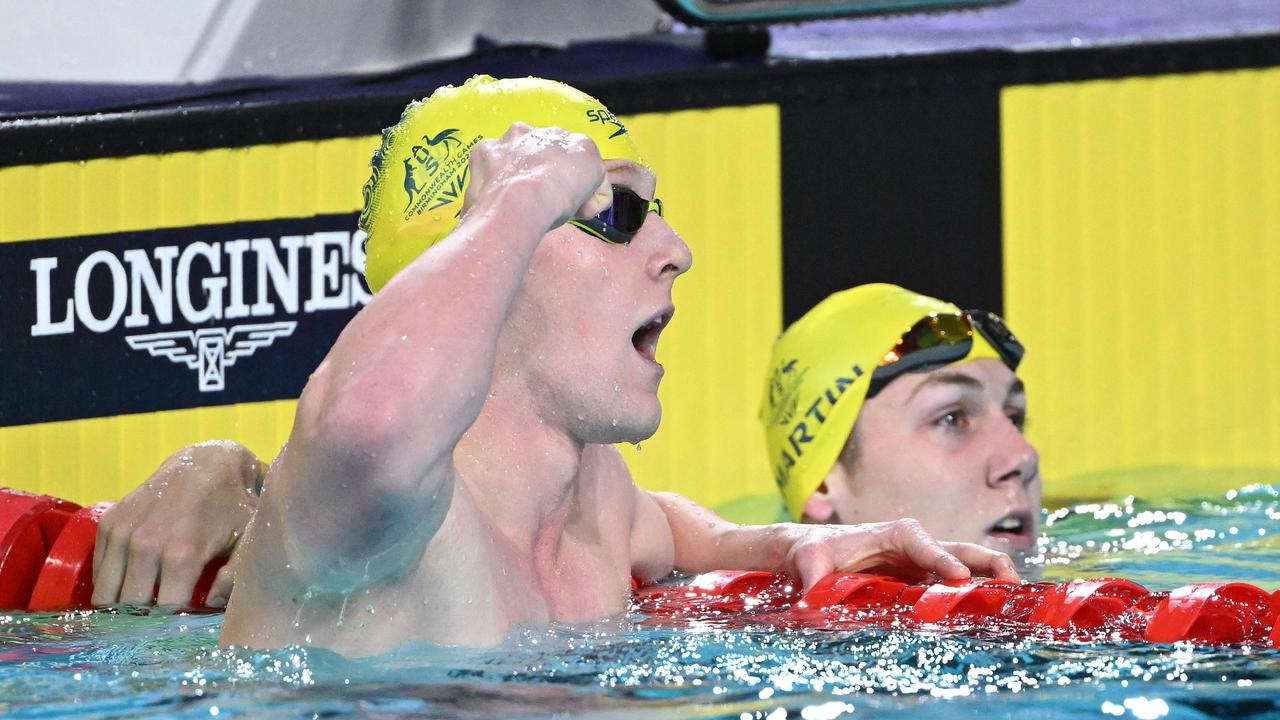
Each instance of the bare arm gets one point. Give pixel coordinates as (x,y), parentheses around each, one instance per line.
(652,541)
(366,478)
(704,541)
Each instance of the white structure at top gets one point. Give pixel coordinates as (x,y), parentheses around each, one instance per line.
(177,41)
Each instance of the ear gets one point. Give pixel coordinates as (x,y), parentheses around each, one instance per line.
(823,506)
(819,508)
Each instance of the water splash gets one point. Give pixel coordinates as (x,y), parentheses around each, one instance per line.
(141,664)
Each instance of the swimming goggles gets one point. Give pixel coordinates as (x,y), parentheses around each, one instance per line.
(940,339)
(622,220)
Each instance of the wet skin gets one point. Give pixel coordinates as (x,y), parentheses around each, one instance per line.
(945,447)
(450,476)
(496,502)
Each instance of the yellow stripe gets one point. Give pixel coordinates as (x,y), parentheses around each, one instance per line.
(209,187)
(720,177)
(103,458)
(1142,266)
(719,173)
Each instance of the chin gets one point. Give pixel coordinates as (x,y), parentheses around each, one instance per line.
(628,429)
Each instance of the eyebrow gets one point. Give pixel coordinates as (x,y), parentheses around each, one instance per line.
(1015,388)
(948,378)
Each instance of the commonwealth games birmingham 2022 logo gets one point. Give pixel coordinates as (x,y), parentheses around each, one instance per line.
(436,172)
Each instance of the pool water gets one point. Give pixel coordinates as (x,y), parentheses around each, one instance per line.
(129,664)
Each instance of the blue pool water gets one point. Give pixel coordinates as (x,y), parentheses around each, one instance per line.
(118,664)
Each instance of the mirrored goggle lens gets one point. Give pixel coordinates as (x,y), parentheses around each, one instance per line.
(622,220)
(628,211)
(943,339)
(931,332)
(936,340)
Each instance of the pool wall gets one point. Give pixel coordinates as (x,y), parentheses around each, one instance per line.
(179,270)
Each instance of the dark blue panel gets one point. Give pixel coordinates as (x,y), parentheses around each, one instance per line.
(142,321)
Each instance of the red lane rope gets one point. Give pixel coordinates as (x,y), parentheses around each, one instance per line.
(46,564)
(46,554)
(1216,614)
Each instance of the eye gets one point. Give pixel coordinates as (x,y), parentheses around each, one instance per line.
(1018,418)
(953,420)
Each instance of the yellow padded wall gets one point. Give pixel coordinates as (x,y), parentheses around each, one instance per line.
(103,458)
(1142,268)
(719,175)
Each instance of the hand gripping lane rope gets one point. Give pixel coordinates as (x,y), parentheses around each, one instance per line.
(46,554)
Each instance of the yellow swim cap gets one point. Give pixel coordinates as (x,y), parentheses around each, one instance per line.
(819,373)
(414,197)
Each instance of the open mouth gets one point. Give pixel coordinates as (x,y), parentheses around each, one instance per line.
(645,339)
(1014,528)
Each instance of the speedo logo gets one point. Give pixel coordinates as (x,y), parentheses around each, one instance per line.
(234,290)
(603,116)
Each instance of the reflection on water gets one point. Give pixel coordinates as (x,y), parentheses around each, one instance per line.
(1161,545)
(103,664)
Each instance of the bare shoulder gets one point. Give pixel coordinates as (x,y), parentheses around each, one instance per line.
(640,521)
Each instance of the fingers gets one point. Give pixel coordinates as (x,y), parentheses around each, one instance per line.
(143,570)
(569,172)
(600,200)
(926,553)
(812,562)
(985,561)
(155,543)
(110,554)
(180,569)
(220,591)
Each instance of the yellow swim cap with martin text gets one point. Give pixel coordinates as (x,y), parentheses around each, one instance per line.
(414,197)
(819,374)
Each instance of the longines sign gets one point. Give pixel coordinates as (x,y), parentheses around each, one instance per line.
(135,322)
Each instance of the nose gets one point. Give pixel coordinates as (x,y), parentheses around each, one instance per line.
(670,256)
(1013,457)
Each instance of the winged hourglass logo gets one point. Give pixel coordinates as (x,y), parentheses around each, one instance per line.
(209,351)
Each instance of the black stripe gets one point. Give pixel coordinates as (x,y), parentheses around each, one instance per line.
(365,109)
(905,190)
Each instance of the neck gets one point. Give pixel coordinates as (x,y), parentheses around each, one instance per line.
(520,466)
